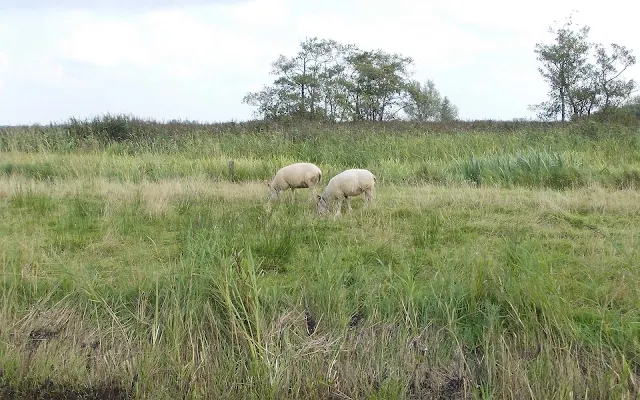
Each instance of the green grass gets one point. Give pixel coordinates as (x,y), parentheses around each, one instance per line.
(491,265)
(496,153)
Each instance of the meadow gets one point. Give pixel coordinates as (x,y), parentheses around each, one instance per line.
(498,260)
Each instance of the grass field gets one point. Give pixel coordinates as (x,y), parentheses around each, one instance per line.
(492,264)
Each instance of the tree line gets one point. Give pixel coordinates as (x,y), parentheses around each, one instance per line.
(330,81)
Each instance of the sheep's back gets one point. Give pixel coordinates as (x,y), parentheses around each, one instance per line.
(296,173)
(351,181)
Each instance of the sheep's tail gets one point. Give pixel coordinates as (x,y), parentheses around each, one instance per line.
(374,178)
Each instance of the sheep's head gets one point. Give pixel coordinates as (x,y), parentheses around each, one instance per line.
(273,194)
(322,207)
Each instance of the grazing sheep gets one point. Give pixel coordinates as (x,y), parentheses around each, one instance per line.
(295,176)
(345,185)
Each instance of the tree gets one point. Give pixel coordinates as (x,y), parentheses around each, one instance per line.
(612,89)
(272,102)
(303,78)
(334,82)
(564,67)
(448,111)
(578,87)
(584,95)
(378,81)
(424,102)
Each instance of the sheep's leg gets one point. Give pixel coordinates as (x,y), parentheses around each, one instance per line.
(349,209)
(292,195)
(339,210)
(368,197)
(314,193)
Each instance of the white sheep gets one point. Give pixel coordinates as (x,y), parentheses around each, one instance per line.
(295,176)
(345,185)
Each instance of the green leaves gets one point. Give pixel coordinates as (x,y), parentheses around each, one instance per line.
(334,82)
(578,87)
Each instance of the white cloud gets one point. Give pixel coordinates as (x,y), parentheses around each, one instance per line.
(173,40)
(4,66)
(104,5)
(29,71)
(257,13)
(100,41)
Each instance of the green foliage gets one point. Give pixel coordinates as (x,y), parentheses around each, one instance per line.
(448,111)
(619,115)
(429,174)
(633,106)
(472,172)
(426,104)
(78,225)
(508,154)
(40,171)
(530,169)
(328,81)
(107,128)
(622,178)
(35,203)
(577,87)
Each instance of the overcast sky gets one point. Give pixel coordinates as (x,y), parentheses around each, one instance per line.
(196,61)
